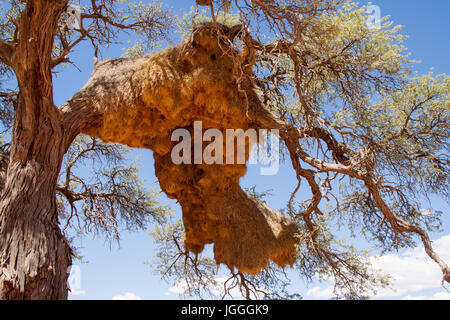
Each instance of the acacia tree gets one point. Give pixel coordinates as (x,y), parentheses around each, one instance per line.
(373,120)
(339,92)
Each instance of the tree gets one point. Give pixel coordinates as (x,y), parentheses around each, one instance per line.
(366,122)
(34,253)
(339,92)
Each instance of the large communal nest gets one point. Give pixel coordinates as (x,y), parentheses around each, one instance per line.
(204,78)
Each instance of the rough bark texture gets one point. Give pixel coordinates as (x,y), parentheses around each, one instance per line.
(140,101)
(34,256)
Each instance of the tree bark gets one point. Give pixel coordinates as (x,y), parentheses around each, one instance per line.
(34,256)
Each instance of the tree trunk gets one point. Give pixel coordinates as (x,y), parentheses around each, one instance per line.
(34,255)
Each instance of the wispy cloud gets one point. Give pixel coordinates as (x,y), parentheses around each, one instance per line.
(127,296)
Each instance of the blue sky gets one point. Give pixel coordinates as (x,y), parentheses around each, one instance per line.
(120,272)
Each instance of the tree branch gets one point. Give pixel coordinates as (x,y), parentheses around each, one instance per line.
(7,49)
(291,136)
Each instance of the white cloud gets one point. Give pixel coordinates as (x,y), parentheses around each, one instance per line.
(178,288)
(317,292)
(411,271)
(127,296)
(437,296)
(76,292)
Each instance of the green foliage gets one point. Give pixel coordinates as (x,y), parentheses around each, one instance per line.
(353,82)
(361,89)
(356,83)
(191,18)
(138,49)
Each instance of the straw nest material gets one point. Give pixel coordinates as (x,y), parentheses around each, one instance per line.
(204,78)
